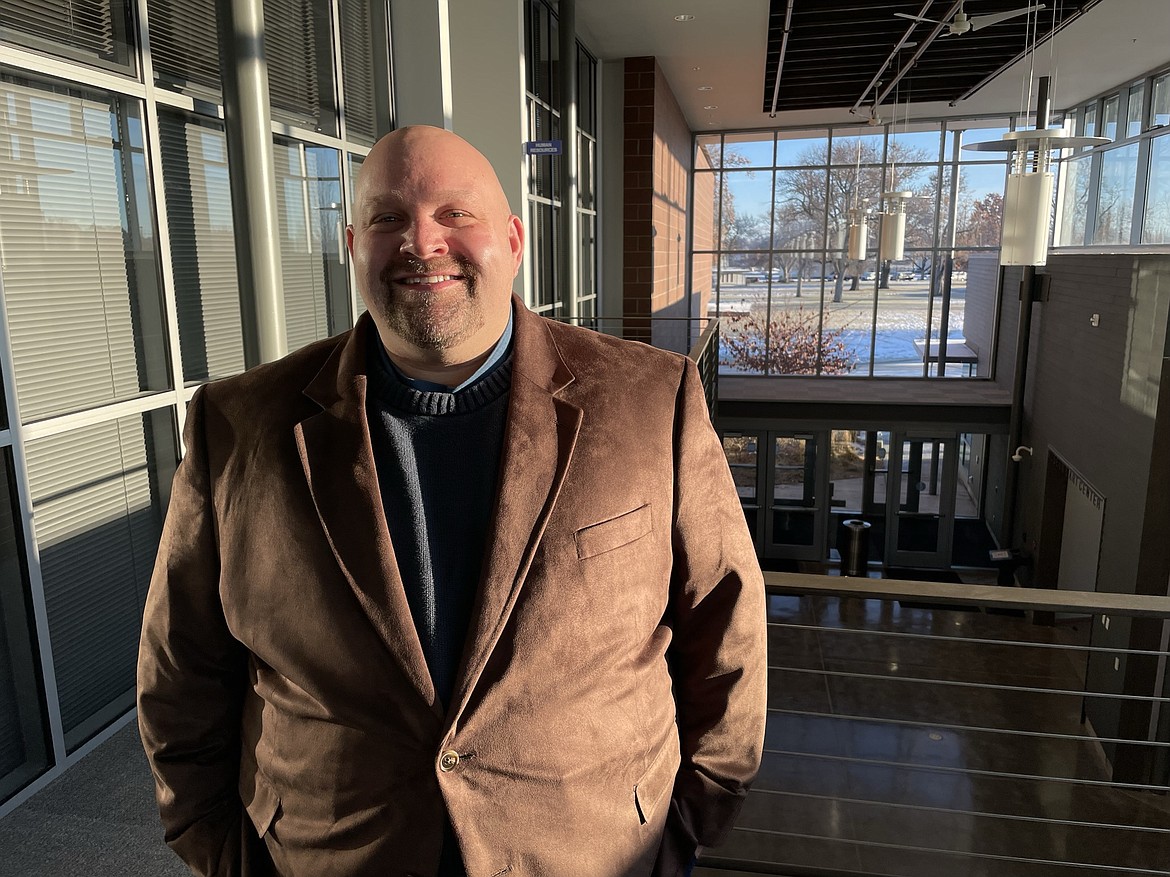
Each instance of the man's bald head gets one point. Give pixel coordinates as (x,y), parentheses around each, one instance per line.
(435,249)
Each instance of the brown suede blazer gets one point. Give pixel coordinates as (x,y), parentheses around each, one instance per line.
(610,708)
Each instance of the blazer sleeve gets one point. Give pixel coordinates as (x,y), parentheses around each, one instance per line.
(191,677)
(718,654)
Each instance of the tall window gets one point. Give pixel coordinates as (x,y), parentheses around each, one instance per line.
(121,293)
(78,238)
(543,94)
(771,225)
(1115,194)
(97,32)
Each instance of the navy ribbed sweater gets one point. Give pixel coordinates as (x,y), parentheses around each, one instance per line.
(438,457)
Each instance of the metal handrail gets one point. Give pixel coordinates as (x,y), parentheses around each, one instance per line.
(843,638)
(953,594)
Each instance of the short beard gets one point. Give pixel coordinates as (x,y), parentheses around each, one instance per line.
(422,319)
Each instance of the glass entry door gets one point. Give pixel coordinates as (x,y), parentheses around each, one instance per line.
(920,500)
(796,483)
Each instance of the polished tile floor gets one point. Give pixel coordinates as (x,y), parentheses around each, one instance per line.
(892,755)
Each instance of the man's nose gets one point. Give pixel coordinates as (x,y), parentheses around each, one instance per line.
(424,237)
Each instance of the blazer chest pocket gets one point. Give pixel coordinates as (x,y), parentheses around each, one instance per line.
(614,533)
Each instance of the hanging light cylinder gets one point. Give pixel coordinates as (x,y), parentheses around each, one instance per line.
(858,234)
(1027,199)
(893,242)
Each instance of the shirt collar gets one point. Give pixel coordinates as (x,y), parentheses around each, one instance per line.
(494,359)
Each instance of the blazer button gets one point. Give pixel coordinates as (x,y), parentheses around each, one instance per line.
(449,760)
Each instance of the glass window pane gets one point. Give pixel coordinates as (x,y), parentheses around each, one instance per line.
(742,456)
(588,278)
(312,242)
(708,151)
(846,469)
(298,46)
(748,150)
(746,210)
(902,313)
(797,149)
(184,47)
(98,496)
(203,248)
(979,222)
(542,253)
(703,285)
(1109,117)
(1074,183)
(586,85)
(77,237)
(862,147)
(794,490)
(1115,195)
(24,751)
(98,32)
(1091,120)
(1160,108)
(586,170)
(800,199)
(704,230)
(1133,114)
(363,63)
(1156,229)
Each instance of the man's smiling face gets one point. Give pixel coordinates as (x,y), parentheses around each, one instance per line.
(434,245)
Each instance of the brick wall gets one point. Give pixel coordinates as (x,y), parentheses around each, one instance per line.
(656,171)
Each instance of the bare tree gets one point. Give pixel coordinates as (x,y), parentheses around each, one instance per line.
(857,174)
(789,344)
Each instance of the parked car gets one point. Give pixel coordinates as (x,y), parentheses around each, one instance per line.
(867,275)
(906,275)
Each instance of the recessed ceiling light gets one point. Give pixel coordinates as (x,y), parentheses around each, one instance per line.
(705,88)
(684,18)
(711,107)
(696,68)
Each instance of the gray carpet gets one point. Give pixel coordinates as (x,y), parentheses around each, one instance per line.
(98,819)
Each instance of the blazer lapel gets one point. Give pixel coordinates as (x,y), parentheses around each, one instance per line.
(338,462)
(538,444)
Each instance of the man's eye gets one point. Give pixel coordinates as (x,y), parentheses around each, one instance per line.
(387,217)
(457,214)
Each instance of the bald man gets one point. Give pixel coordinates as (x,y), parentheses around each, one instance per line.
(462,591)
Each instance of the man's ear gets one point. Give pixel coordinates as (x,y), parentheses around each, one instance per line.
(516,242)
(349,239)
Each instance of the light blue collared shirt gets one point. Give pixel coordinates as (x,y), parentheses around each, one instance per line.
(494,359)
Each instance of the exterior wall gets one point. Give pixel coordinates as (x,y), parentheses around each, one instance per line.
(656,171)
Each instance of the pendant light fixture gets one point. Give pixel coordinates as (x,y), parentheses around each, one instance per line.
(858,236)
(893,242)
(892,246)
(1027,199)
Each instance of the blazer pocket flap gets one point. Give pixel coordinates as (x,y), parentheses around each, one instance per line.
(614,533)
(654,785)
(262,805)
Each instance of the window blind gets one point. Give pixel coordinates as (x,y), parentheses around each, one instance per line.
(203,252)
(358,50)
(62,252)
(89,26)
(184,45)
(296,40)
(97,526)
(304,221)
